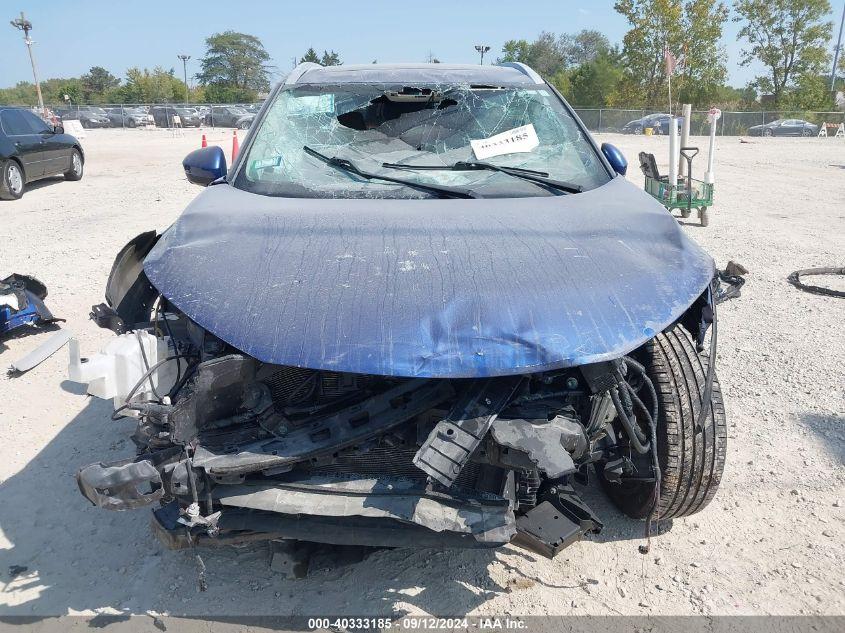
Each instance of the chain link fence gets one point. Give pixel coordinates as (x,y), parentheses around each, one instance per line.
(730,123)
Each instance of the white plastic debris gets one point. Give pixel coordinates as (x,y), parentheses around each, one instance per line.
(41,353)
(115,371)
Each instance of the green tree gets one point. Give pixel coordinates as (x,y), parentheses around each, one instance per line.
(310,56)
(156,86)
(96,83)
(654,24)
(595,82)
(584,47)
(812,92)
(235,65)
(547,54)
(789,37)
(692,29)
(54,90)
(330,59)
(704,70)
(515,51)
(327,59)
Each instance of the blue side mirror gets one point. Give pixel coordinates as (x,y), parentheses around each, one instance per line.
(204,166)
(615,158)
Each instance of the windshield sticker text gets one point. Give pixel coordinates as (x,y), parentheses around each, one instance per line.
(519,139)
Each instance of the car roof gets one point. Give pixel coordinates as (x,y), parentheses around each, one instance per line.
(505,74)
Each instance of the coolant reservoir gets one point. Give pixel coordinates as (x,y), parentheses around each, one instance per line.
(113,372)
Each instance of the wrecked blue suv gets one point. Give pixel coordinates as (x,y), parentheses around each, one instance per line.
(422,308)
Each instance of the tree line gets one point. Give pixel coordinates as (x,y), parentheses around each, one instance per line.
(789,39)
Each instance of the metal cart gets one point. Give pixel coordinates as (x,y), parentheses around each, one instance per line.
(687,194)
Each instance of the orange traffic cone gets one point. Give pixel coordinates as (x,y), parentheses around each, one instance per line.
(235,145)
(204,142)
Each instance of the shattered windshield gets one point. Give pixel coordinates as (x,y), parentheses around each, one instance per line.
(422,134)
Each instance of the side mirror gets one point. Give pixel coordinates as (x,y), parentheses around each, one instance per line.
(204,166)
(58,129)
(615,158)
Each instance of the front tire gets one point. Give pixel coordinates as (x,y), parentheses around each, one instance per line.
(76,166)
(768,133)
(12,181)
(691,462)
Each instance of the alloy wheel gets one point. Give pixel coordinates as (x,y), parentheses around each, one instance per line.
(15,179)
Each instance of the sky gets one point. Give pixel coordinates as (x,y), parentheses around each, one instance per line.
(70,37)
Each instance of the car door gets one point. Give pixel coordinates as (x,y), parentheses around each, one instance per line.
(789,128)
(28,145)
(56,150)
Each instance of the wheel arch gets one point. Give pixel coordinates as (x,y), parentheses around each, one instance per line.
(17,160)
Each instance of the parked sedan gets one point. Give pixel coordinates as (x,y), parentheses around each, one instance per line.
(128,117)
(658,122)
(785,127)
(229,116)
(31,149)
(88,117)
(165,115)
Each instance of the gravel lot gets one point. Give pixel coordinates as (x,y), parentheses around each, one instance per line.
(770,543)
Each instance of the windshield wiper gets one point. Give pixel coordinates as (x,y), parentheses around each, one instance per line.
(539,177)
(348,166)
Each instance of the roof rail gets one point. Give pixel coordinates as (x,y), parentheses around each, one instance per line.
(525,70)
(296,74)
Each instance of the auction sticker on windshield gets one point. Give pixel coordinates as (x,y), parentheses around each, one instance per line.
(519,139)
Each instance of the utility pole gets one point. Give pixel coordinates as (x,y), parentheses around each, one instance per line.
(25,25)
(481,48)
(185,59)
(837,51)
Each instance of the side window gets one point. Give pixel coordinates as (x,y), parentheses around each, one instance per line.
(14,124)
(36,123)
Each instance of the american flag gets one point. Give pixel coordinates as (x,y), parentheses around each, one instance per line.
(670,59)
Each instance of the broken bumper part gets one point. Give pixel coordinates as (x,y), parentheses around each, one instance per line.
(120,485)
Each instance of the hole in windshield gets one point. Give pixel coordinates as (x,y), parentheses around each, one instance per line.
(426,131)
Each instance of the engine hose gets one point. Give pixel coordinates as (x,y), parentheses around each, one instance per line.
(711,372)
(631,428)
(637,367)
(654,515)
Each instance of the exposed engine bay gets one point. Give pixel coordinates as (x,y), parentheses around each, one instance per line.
(467,419)
(230,449)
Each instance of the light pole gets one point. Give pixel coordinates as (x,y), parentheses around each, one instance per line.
(185,59)
(836,53)
(481,48)
(26,26)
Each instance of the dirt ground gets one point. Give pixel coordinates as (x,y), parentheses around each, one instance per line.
(770,543)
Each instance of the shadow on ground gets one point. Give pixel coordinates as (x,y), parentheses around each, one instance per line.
(64,555)
(830,430)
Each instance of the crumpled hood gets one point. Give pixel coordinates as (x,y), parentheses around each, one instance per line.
(430,288)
